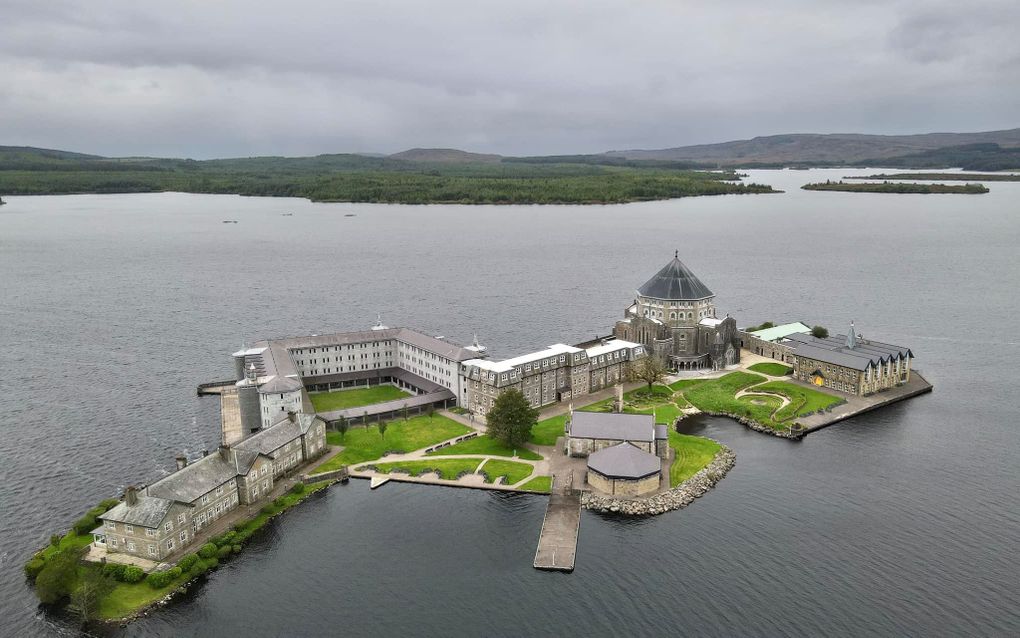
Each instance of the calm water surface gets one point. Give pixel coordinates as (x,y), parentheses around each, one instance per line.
(903,522)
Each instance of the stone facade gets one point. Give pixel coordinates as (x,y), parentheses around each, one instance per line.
(623,487)
(674,317)
(159,521)
(849,363)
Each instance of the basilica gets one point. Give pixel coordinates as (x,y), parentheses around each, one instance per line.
(674,317)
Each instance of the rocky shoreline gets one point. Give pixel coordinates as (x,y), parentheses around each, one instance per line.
(754,425)
(676,498)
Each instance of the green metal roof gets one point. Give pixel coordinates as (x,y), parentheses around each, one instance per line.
(780,332)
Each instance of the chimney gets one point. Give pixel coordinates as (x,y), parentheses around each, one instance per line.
(205,453)
(131,495)
(226,453)
(182,462)
(292,416)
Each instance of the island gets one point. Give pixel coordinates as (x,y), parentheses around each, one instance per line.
(595,425)
(959,177)
(897,187)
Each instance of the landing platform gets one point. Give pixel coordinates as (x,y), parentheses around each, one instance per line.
(557,544)
(859,405)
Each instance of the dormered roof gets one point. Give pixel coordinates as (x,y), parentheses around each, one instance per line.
(834,350)
(675,282)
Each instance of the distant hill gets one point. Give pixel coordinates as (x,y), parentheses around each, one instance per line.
(836,148)
(445,155)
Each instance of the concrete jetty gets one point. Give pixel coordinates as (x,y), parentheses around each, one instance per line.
(859,405)
(557,544)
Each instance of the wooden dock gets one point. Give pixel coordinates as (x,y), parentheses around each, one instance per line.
(557,544)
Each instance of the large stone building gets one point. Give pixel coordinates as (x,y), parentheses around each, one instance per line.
(589,432)
(773,342)
(558,373)
(849,363)
(159,521)
(674,317)
(275,375)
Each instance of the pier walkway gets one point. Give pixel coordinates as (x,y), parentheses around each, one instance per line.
(230,416)
(557,544)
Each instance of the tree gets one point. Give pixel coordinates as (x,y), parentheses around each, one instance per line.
(57,578)
(342,426)
(403,412)
(649,369)
(511,418)
(382,428)
(819,332)
(432,411)
(86,597)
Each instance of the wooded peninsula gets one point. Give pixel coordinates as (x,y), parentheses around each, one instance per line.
(958,177)
(449,179)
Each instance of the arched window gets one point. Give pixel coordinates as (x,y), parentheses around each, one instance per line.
(672,315)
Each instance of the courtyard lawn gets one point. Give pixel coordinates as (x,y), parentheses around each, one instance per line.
(448,469)
(538,484)
(802,400)
(772,369)
(692,454)
(512,471)
(354,397)
(364,443)
(485,445)
(547,431)
(766,402)
(686,384)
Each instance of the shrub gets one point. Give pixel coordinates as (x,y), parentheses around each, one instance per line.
(237,549)
(34,566)
(207,551)
(267,509)
(57,576)
(108,504)
(85,524)
(114,571)
(279,502)
(132,574)
(299,488)
(55,540)
(224,539)
(187,562)
(158,580)
(223,552)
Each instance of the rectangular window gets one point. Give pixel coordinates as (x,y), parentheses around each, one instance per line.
(180,519)
(111,525)
(152,550)
(169,544)
(150,532)
(131,546)
(184,537)
(112,541)
(169,526)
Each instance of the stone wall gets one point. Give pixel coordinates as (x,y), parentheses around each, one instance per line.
(680,496)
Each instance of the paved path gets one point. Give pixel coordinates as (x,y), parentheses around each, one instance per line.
(230,416)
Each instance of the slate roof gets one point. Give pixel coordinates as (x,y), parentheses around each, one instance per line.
(149,511)
(612,426)
(280,384)
(200,476)
(835,351)
(675,281)
(660,432)
(272,438)
(624,461)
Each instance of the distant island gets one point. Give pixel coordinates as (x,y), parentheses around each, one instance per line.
(958,177)
(419,176)
(897,187)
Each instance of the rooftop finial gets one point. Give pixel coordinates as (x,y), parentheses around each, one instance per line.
(676,254)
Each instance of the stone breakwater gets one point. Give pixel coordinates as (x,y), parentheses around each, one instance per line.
(754,425)
(680,496)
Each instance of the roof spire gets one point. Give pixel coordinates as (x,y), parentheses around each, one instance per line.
(676,254)
(851,337)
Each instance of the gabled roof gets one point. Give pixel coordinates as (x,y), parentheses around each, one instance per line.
(675,281)
(272,438)
(624,461)
(834,350)
(612,426)
(280,384)
(195,479)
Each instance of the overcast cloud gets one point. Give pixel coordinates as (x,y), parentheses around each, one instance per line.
(222,78)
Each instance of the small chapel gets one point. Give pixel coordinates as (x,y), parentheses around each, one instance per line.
(674,317)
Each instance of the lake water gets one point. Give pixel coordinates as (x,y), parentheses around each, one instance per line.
(901,522)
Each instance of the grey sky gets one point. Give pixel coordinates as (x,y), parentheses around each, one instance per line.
(225,78)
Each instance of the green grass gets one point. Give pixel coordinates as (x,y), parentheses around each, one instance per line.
(448,469)
(354,397)
(802,400)
(512,471)
(365,444)
(485,445)
(686,384)
(761,400)
(538,484)
(548,430)
(772,369)
(718,396)
(692,454)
